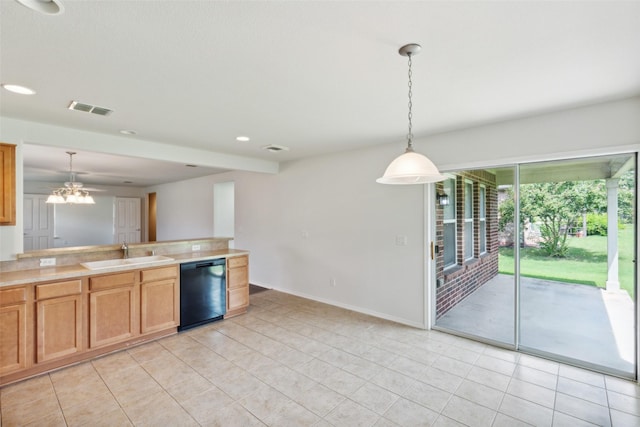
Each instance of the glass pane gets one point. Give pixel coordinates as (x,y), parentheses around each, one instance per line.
(480,302)
(468,200)
(483,236)
(449,244)
(576,262)
(483,195)
(468,239)
(449,187)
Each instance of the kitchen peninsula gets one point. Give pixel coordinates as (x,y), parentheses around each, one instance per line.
(58,315)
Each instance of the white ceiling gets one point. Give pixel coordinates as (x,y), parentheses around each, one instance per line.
(316,76)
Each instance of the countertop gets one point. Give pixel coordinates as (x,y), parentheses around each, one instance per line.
(45,274)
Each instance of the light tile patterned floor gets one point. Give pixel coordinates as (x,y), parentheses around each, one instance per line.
(295,362)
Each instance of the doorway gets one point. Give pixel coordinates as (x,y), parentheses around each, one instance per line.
(557,278)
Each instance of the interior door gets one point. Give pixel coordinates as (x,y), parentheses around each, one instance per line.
(38,222)
(127,220)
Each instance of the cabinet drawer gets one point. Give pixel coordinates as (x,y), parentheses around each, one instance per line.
(60,289)
(12,296)
(158,274)
(239,261)
(238,298)
(238,277)
(112,281)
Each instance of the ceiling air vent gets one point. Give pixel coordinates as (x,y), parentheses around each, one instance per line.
(275,148)
(88,108)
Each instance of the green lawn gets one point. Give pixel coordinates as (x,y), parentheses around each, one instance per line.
(586,261)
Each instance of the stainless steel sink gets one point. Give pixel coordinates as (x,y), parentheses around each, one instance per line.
(125,262)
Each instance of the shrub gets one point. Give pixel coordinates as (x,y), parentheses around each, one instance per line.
(596,224)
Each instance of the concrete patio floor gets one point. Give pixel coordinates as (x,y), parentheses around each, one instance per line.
(578,322)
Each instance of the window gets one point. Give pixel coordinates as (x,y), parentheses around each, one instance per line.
(482,214)
(468,220)
(449,222)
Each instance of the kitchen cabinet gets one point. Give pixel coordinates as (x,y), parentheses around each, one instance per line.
(237,285)
(13,330)
(112,308)
(58,320)
(159,299)
(7,184)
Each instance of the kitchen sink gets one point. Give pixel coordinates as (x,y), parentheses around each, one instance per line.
(125,262)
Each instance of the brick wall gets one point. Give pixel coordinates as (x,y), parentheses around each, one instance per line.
(459,281)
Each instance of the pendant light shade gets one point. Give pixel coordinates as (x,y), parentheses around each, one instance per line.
(410,167)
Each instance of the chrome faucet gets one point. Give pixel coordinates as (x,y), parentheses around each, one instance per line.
(125,250)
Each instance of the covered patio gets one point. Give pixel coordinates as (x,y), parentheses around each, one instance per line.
(580,322)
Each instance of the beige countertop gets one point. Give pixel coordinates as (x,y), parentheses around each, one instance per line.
(45,274)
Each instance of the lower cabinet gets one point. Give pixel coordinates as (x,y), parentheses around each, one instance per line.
(58,320)
(13,330)
(159,299)
(237,285)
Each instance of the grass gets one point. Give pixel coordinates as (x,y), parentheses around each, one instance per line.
(585,263)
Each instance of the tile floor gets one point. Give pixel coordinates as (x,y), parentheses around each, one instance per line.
(295,362)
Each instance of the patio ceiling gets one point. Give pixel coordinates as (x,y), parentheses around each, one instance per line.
(583,169)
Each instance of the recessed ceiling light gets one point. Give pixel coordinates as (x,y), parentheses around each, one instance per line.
(48,7)
(22,90)
(128,132)
(243,138)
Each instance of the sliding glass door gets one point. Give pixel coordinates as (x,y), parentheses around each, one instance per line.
(577,285)
(473,296)
(539,257)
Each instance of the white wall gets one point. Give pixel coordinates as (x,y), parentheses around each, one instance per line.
(84,225)
(351,222)
(224,209)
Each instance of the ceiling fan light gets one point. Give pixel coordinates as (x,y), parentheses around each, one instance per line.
(411,168)
(89,200)
(55,198)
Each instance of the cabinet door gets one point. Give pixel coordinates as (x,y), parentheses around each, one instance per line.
(237,285)
(13,339)
(111,316)
(7,184)
(58,327)
(159,305)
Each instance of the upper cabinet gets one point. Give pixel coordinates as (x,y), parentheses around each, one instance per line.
(7,184)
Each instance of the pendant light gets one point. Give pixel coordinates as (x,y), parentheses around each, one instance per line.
(72,192)
(410,167)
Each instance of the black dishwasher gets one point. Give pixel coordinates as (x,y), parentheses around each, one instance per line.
(202,292)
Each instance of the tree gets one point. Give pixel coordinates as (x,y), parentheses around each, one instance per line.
(558,206)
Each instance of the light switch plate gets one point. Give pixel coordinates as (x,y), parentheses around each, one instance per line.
(401,240)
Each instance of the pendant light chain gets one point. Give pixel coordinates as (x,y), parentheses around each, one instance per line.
(410,115)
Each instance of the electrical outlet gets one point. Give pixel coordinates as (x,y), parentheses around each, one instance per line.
(195,247)
(332,282)
(47,262)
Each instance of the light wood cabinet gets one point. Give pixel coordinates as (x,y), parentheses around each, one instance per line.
(7,184)
(58,320)
(13,330)
(112,309)
(237,285)
(159,299)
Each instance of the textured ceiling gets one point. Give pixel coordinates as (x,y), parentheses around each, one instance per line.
(317,77)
